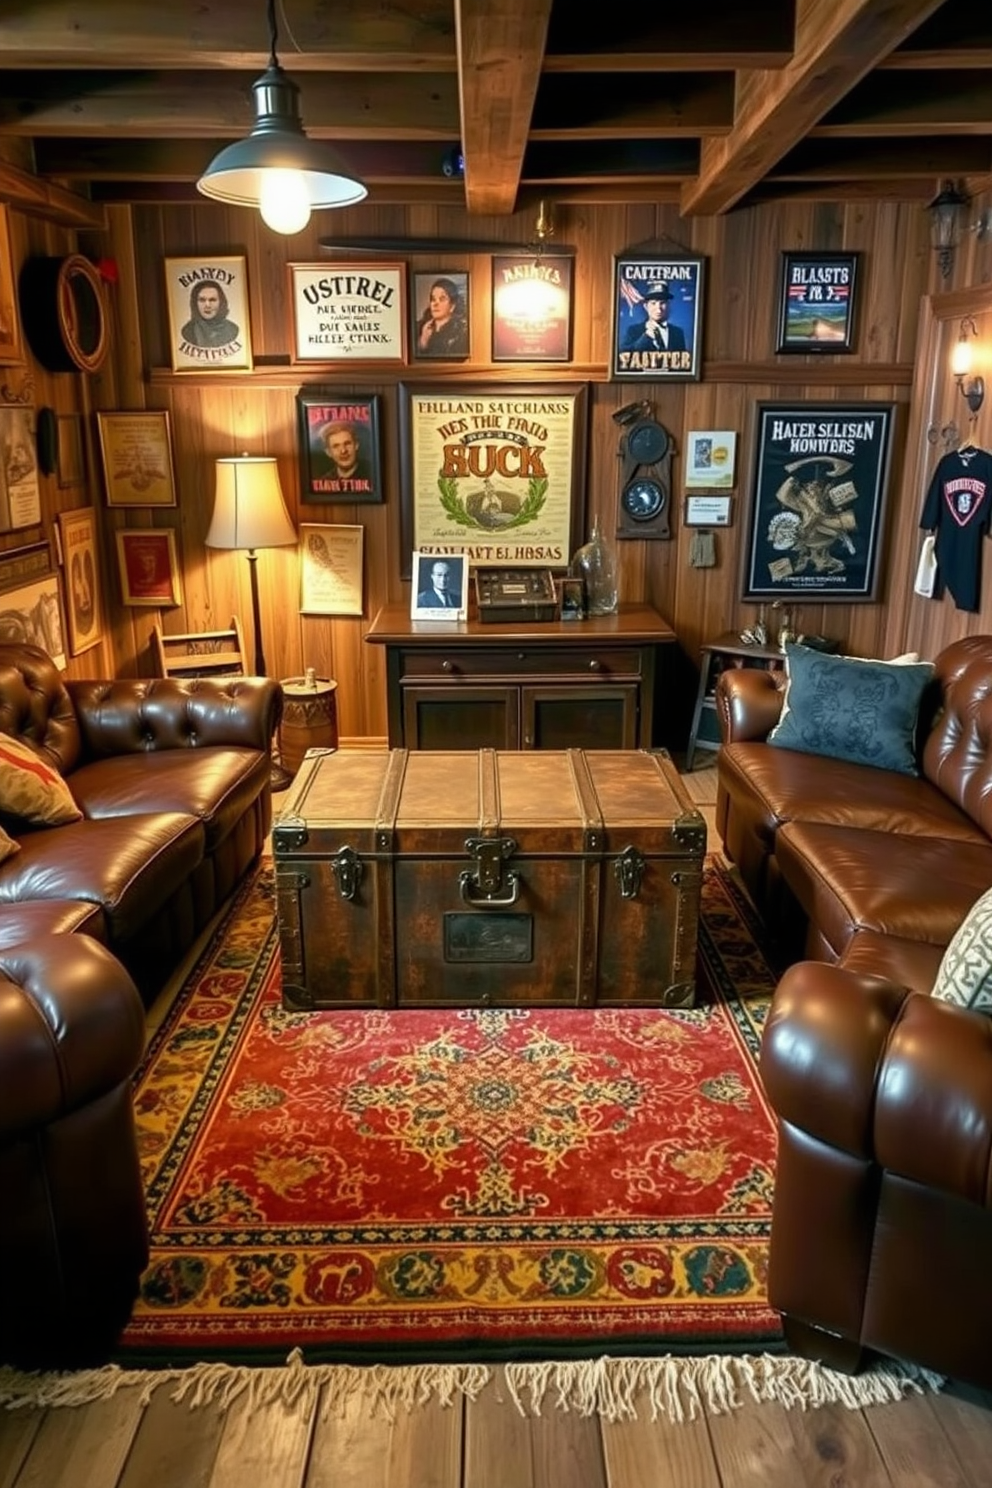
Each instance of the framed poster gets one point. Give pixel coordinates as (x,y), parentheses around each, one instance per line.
(330,569)
(816,302)
(440,587)
(496,473)
(32,612)
(814,529)
(148,568)
(77,532)
(136,449)
(657,318)
(353,312)
(20,495)
(439,311)
(709,459)
(532,308)
(209,328)
(339,446)
(11,349)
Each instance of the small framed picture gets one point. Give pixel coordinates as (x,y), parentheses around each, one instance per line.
(11,350)
(32,612)
(573,599)
(77,535)
(657,318)
(707,511)
(816,302)
(440,587)
(709,459)
(70,463)
(136,449)
(532,307)
(209,328)
(330,569)
(148,568)
(439,311)
(348,312)
(339,447)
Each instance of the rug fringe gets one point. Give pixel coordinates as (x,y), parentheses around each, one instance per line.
(673,1386)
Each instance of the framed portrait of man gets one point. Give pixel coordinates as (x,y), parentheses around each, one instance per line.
(209,329)
(339,447)
(440,586)
(657,318)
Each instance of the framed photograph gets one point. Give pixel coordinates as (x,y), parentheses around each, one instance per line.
(353,312)
(339,446)
(496,473)
(136,449)
(709,459)
(573,599)
(657,318)
(70,461)
(707,511)
(815,525)
(19,565)
(32,612)
(209,326)
(20,494)
(11,346)
(532,308)
(440,587)
(330,569)
(77,534)
(148,568)
(816,302)
(439,317)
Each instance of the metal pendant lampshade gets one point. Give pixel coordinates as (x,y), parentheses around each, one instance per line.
(277,168)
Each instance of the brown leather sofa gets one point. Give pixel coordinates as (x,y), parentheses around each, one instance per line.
(881,1222)
(173,779)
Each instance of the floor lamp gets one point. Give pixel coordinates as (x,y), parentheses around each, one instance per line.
(250,513)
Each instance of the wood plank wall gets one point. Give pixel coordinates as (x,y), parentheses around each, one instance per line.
(222,414)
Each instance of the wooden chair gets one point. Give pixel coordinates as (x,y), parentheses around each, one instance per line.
(203,653)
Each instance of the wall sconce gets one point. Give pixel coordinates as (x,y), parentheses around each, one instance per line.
(972,389)
(946,213)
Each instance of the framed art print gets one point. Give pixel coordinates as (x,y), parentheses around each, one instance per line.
(349,312)
(816,302)
(709,459)
(439,311)
(657,318)
(330,569)
(815,526)
(339,446)
(440,586)
(136,449)
(209,329)
(11,350)
(148,568)
(32,612)
(532,307)
(77,535)
(20,492)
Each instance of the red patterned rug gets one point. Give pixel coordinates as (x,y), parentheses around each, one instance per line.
(438,1184)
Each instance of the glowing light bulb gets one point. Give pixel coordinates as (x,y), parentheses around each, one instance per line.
(961,358)
(284,201)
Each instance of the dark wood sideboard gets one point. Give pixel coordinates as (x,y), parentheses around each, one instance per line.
(558,684)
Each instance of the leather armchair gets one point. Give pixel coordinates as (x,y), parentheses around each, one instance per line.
(882,1221)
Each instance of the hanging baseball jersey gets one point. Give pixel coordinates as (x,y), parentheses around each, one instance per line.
(957,510)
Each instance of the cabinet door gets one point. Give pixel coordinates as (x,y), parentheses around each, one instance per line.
(465,717)
(580,717)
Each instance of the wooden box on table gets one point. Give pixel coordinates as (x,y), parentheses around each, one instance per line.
(478,879)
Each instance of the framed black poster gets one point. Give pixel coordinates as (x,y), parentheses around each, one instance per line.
(816,302)
(657,318)
(814,528)
(339,446)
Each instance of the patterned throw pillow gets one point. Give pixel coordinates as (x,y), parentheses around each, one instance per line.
(8,847)
(31,789)
(850,709)
(965,975)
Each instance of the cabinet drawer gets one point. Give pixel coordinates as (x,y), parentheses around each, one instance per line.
(525,661)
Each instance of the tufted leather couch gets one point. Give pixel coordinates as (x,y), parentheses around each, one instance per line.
(173,781)
(882,1219)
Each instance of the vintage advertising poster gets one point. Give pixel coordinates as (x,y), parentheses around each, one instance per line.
(20,497)
(209,330)
(149,572)
(330,569)
(494,473)
(815,526)
(82,587)
(532,308)
(816,302)
(339,446)
(136,449)
(657,318)
(351,312)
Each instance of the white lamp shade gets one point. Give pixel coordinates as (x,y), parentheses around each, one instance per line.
(249,510)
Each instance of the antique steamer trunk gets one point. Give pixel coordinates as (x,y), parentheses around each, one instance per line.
(422,878)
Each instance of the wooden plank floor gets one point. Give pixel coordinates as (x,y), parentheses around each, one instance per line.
(931,1441)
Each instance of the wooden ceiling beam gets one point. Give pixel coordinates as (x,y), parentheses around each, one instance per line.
(837,43)
(500,47)
(38,198)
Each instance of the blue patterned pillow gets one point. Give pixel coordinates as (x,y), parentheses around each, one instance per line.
(849,709)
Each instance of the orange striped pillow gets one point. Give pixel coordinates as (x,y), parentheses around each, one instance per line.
(31,789)
(8,847)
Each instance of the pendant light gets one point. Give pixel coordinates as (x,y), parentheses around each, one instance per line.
(278,168)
